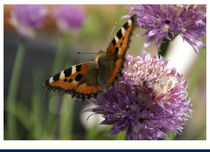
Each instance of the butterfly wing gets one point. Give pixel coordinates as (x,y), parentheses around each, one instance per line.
(118,47)
(79,80)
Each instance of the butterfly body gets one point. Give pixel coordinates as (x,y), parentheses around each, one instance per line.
(89,79)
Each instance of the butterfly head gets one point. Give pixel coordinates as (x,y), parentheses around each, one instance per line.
(100,54)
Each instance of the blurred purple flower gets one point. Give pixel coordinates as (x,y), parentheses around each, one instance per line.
(167,21)
(69,17)
(28,18)
(148,102)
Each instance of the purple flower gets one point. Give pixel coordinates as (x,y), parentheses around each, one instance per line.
(167,21)
(148,102)
(28,18)
(69,17)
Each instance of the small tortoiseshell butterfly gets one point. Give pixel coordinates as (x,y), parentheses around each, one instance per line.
(88,79)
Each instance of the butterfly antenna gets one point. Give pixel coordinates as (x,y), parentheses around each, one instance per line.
(110,35)
(79,52)
(85,58)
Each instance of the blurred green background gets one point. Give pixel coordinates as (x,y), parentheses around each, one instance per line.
(37,114)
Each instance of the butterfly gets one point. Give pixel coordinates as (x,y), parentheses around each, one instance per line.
(87,80)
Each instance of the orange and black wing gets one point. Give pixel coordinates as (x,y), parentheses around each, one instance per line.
(118,47)
(74,81)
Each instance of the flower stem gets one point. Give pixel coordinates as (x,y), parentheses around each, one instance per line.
(164,47)
(194,75)
(14,81)
(57,66)
(66,118)
(60,54)
(37,106)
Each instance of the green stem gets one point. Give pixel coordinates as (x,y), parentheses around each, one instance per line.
(66,118)
(14,82)
(171,136)
(163,52)
(164,47)
(57,67)
(121,135)
(194,75)
(37,107)
(60,54)
(92,132)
